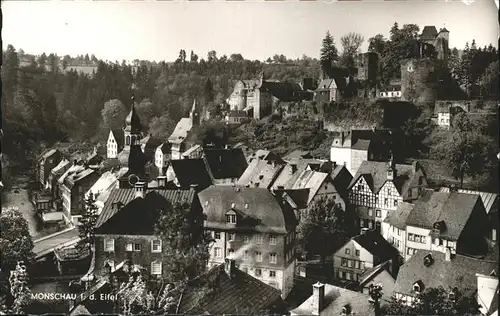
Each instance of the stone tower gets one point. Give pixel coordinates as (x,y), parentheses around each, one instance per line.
(441,43)
(367,64)
(418,83)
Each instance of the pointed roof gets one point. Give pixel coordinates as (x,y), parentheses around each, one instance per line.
(132,121)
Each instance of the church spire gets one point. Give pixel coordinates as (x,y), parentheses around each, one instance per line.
(132,121)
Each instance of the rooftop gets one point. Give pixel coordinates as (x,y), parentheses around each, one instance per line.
(459,272)
(375,244)
(260,173)
(181,130)
(489,199)
(226,163)
(257,209)
(453,208)
(238,293)
(336,298)
(192,172)
(398,217)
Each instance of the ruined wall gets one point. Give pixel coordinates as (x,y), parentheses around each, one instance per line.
(418,82)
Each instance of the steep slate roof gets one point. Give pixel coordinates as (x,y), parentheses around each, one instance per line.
(58,170)
(453,208)
(181,131)
(327,84)
(429,32)
(119,137)
(375,244)
(361,144)
(236,294)
(132,121)
(165,147)
(192,172)
(71,170)
(191,150)
(126,196)
(311,180)
(262,213)
(263,154)
(398,217)
(226,163)
(375,173)
(296,154)
(72,179)
(335,299)
(371,273)
(488,198)
(48,153)
(459,272)
(263,172)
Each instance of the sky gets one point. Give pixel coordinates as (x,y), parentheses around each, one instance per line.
(157,30)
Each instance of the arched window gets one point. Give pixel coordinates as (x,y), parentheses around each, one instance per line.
(133,140)
(127,141)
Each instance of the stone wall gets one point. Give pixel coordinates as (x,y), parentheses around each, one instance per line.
(418,83)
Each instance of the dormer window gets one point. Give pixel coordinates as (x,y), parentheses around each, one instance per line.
(231,217)
(418,287)
(346,310)
(428,260)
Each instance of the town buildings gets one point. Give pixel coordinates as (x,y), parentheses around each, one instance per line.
(433,269)
(379,187)
(75,185)
(362,252)
(453,221)
(329,300)
(255,228)
(115,143)
(226,164)
(162,157)
(181,136)
(46,163)
(378,275)
(125,229)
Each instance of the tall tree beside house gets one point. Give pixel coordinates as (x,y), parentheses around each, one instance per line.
(464,148)
(113,114)
(376,44)
(19,289)
(145,111)
(87,224)
(329,53)
(436,301)
(323,230)
(185,244)
(208,91)
(351,44)
(16,243)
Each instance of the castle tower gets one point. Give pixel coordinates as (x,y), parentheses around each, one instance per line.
(418,83)
(194,114)
(442,44)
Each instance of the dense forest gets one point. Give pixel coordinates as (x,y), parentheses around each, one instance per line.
(48,99)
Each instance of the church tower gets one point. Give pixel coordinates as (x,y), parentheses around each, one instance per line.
(133,128)
(194,114)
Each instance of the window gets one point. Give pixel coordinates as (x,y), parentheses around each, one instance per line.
(389,191)
(344,262)
(258,272)
(258,256)
(273,239)
(273,258)
(246,239)
(231,218)
(395,202)
(217,235)
(156,246)
(357,253)
(272,273)
(128,247)
(343,275)
(231,236)
(217,252)
(259,239)
(361,223)
(230,252)
(370,224)
(349,263)
(109,245)
(347,251)
(410,237)
(137,247)
(370,212)
(245,255)
(386,201)
(156,268)
(378,213)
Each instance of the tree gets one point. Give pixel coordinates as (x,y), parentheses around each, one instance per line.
(182,57)
(437,301)
(212,133)
(464,148)
(145,111)
(193,58)
(212,56)
(16,243)
(161,127)
(377,44)
(65,61)
(351,43)
(208,91)
(323,229)
(185,244)
(113,114)
(236,57)
(42,61)
(87,223)
(329,53)
(19,289)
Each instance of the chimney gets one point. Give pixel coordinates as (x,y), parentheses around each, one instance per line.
(334,164)
(318,298)
(140,188)
(162,181)
(75,161)
(229,266)
(447,254)
(193,186)
(294,168)
(363,231)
